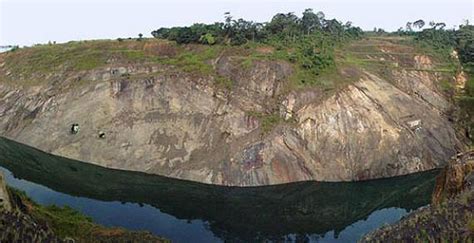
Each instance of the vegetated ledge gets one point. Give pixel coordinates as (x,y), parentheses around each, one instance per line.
(23,220)
(450,217)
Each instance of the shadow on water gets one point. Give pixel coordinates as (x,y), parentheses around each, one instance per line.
(232,213)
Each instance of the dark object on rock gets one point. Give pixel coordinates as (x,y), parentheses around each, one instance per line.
(101,134)
(74,128)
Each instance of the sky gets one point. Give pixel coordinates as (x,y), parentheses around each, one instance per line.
(28,22)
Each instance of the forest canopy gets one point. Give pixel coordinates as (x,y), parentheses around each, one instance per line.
(239,31)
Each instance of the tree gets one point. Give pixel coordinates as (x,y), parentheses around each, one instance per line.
(334,27)
(321,16)
(400,31)
(284,28)
(284,24)
(238,39)
(14,48)
(348,25)
(227,23)
(310,21)
(440,25)
(465,44)
(466,21)
(419,24)
(408,27)
(140,36)
(162,33)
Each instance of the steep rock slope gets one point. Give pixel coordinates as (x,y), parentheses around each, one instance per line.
(160,119)
(450,216)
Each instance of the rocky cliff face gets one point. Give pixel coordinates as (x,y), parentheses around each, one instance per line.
(160,120)
(455,178)
(450,216)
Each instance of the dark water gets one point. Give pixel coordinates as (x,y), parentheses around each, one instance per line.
(193,212)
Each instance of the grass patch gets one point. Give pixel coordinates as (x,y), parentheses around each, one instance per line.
(223,82)
(199,62)
(470,225)
(446,85)
(32,65)
(191,63)
(267,121)
(135,55)
(89,62)
(66,222)
(247,63)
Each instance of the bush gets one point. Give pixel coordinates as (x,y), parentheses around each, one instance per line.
(14,48)
(207,39)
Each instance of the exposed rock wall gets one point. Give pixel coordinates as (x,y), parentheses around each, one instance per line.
(184,126)
(456,177)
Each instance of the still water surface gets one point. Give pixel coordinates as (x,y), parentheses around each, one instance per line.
(192,212)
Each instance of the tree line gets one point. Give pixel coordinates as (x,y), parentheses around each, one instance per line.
(239,31)
(461,39)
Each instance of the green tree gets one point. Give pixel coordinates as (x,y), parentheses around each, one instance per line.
(465,46)
(409,27)
(207,39)
(282,30)
(310,21)
(440,25)
(228,24)
(419,24)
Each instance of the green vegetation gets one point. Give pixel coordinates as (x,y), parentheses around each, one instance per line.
(67,223)
(284,27)
(270,121)
(194,61)
(267,120)
(223,82)
(450,221)
(32,65)
(308,41)
(470,224)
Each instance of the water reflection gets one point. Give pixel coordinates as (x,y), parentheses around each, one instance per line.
(184,211)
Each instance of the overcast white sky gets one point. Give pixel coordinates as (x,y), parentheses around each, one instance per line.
(26,22)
